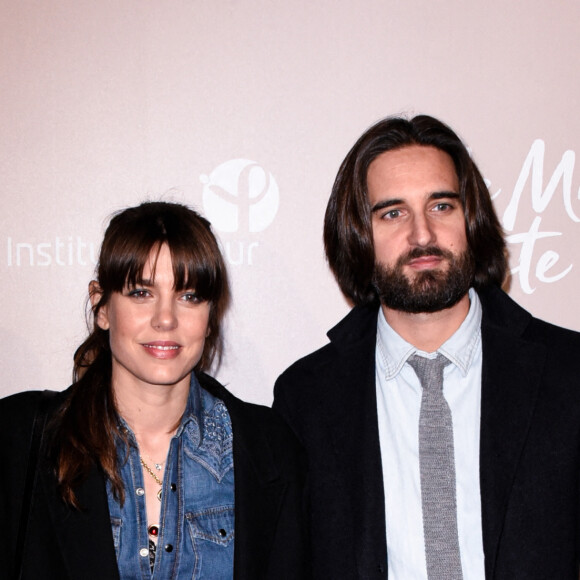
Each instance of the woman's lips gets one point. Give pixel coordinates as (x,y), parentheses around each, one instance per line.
(162,349)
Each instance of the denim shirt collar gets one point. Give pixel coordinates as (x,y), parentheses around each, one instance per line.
(460,348)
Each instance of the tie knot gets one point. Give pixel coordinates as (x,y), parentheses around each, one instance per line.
(429,370)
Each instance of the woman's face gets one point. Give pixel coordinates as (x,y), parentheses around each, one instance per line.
(156,334)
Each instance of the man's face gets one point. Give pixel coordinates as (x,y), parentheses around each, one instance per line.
(422,259)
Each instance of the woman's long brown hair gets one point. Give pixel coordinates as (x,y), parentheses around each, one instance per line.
(85,429)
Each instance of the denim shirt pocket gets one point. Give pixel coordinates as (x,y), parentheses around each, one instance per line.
(116,524)
(214,524)
(212,535)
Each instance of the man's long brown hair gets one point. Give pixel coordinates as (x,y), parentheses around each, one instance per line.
(348,237)
(86,426)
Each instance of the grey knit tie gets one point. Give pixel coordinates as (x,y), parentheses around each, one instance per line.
(437,466)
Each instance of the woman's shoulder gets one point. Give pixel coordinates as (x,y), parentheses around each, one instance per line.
(20,403)
(27,399)
(251,419)
(19,409)
(234,403)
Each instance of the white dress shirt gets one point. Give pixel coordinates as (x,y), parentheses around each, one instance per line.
(398,405)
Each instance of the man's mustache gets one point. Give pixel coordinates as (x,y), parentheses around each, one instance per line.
(415,253)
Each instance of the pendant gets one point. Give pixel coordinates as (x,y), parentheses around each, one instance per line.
(159,494)
(153,530)
(158,466)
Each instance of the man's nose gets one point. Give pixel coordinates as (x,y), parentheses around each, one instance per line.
(421,232)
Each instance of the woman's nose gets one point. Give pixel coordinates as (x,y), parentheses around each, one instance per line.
(164,317)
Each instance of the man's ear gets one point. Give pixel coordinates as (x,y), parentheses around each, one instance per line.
(95,294)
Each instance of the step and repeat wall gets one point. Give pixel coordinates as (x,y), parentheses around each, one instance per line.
(244,109)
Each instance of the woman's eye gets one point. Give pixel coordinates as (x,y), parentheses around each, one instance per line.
(138,293)
(192,297)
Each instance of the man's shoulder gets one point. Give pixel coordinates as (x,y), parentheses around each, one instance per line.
(499,309)
(354,335)
(564,341)
(320,357)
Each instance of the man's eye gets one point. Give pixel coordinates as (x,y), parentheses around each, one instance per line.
(443,206)
(392,214)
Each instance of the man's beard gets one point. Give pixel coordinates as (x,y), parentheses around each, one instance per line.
(430,290)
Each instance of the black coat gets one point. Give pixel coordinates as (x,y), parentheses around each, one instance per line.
(63,543)
(529,446)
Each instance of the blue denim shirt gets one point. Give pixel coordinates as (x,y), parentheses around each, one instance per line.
(196,529)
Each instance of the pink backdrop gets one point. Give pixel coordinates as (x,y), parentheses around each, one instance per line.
(244,109)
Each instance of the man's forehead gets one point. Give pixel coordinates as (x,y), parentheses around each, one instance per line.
(413,165)
(411,152)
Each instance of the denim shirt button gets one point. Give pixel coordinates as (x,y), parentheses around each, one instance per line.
(140,491)
(222,533)
(168,548)
(173,487)
(143,552)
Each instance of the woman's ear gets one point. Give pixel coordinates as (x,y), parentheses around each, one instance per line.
(95,294)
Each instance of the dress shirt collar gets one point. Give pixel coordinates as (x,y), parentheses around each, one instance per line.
(460,348)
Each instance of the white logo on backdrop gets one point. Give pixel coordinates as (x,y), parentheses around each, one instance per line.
(240,196)
(546,267)
(60,251)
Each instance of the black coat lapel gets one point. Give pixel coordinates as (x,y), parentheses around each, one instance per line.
(352,420)
(84,536)
(259,492)
(512,368)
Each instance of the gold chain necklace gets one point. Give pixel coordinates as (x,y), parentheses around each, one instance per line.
(152,474)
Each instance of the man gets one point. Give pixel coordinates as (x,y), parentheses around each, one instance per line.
(442,421)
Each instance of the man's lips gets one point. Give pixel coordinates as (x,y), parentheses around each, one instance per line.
(425,262)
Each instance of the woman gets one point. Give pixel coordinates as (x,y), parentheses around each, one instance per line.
(148,467)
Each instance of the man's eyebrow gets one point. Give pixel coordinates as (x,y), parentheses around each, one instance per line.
(385,203)
(444,195)
(380,205)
